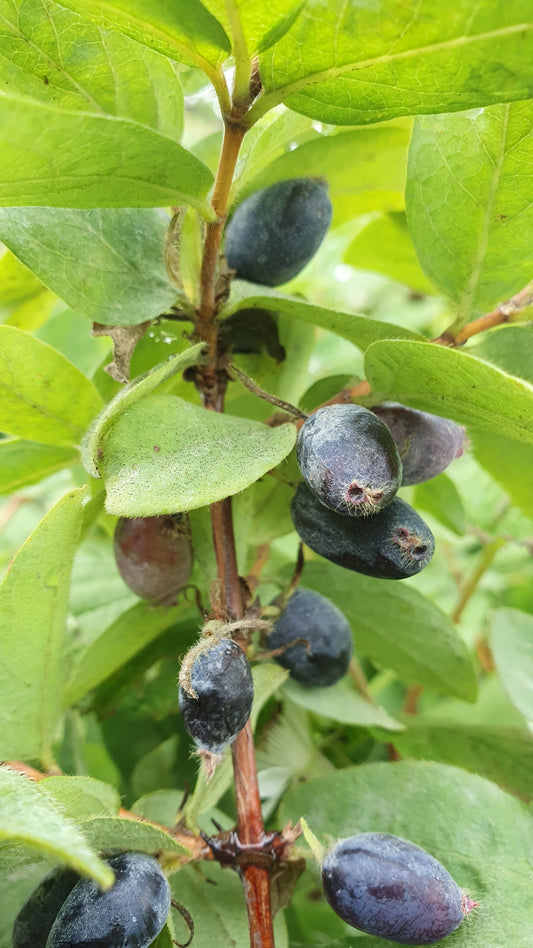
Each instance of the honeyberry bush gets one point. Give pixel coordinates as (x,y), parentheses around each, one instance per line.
(116,119)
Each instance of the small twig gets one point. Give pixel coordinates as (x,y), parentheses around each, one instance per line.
(260,392)
(412,697)
(357,675)
(503,313)
(470,586)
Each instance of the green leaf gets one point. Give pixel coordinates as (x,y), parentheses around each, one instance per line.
(269,138)
(126,398)
(361,330)
(17,283)
(452,384)
(58,58)
(44,397)
(253,24)
(440,497)
(508,347)
(398,628)
(218,910)
(30,817)
(267,680)
(482,835)
(182,30)
(109,832)
(62,158)
(119,642)
(509,462)
(384,246)
(33,612)
(26,462)
(365,169)
(501,754)
(165,454)
(81,798)
(470,203)
(107,264)
(355,64)
(511,643)
(340,703)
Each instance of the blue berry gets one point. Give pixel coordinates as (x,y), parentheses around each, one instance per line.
(310,616)
(38,914)
(393,544)
(384,885)
(426,443)
(216,702)
(275,232)
(128,915)
(348,458)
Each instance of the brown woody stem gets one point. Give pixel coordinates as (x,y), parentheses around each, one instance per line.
(503,313)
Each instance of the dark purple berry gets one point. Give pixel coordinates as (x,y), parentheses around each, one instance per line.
(348,458)
(154,555)
(38,914)
(384,885)
(393,544)
(128,915)
(325,657)
(251,330)
(426,443)
(275,232)
(215,694)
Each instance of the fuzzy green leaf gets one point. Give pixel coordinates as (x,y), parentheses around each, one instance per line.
(482,836)
(440,497)
(126,398)
(398,628)
(501,754)
(31,818)
(33,611)
(110,832)
(511,643)
(25,462)
(470,203)
(361,330)
(182,30)
(509,462)
(82,798)
(340,703)
(384,246)
(252,24)
(43,396)
(61,59)
(354,64)
(165,454)
(452,384)
(60,158)
(106,264)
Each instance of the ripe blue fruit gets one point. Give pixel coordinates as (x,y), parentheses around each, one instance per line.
(275,232)
(310,616)
(38,914)
(387,886)
(216,694)
(251,330)
(154,555)
(393,544)
(129,915)
(426,443)
(348,458)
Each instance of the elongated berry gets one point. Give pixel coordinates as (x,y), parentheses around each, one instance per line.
(154,555)
(387,886)
(393,544)
(348,458)
(274,233)
(38,914)
(426,443)
(215,694)
(128,915)
(324,655)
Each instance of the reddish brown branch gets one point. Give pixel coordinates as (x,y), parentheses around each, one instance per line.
(503,313)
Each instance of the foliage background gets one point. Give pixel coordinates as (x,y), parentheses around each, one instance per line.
(107,124)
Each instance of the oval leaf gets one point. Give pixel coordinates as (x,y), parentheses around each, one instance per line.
(165,455)
(43,396)
(31,818)
(511,642)
(452,384)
